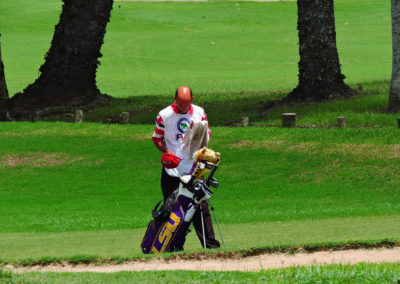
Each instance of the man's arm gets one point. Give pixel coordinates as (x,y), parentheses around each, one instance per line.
(161,146)
(158,136)
(204,118)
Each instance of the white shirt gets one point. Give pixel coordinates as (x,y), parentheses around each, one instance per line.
(171,126)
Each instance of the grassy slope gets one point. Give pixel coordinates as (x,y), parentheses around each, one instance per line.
(125,243)
(150,48)
(106,177)
(360,273)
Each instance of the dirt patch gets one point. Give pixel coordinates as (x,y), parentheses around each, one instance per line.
(252,263)
(371,151)
(257,144)
(363,151)
(36,159)
(303,147)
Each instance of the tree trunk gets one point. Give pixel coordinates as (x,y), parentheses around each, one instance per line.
(320,76)
(3,89)
(394,92)
(68,75)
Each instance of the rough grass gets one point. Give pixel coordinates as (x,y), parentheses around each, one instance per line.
(36,159)
(360,151)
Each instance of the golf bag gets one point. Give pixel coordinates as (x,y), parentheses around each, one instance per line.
(170,225)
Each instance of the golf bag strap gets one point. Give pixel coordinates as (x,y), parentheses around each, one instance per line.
(162,214)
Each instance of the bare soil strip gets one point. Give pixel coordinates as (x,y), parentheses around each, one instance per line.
(253,263)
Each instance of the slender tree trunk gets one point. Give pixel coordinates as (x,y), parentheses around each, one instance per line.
(394,92)
(320,76)
(68,75)
(3,89)
(3,85)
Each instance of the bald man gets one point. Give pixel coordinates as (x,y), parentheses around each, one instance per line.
(171,124)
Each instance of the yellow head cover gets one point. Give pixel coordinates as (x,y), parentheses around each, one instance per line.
(205,158)
(206,155)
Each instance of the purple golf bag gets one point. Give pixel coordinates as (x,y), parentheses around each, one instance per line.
(169,227)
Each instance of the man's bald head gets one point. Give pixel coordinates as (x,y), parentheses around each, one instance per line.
(183,98)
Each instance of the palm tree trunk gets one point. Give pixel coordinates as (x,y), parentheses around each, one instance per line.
(3,85)
(3,90)
(394,92)
(68,75)
(320,76)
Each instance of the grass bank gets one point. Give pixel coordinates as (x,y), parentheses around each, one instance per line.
(110,246)
(72,184)
(67,177)
(360,273)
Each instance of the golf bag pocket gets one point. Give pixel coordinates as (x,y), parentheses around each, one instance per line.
(151,232)
(170,235)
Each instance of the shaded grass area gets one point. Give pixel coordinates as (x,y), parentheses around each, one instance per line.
(360,273)
(116,246)
(365,110)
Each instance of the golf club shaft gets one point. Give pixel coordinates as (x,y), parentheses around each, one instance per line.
(216,221)
(202,226)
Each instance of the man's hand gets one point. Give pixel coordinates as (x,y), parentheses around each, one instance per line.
(170,152)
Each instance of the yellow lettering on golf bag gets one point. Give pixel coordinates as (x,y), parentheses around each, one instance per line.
(164,238)
(175,219)
(155,250)
(166,232)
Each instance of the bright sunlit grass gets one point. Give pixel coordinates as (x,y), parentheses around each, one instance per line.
(67,177)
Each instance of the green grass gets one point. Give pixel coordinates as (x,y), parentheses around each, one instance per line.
(215,47)
(107,176)
(62,180)
(360,273)
(34,247)
(83,192)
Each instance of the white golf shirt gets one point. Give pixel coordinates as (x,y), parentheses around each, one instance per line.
(171,126)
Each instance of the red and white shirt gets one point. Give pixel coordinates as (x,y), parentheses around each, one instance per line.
(171,126)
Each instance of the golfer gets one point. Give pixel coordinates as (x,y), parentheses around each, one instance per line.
(171,125)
